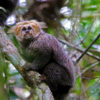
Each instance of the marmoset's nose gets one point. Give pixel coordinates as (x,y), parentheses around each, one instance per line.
(27,31)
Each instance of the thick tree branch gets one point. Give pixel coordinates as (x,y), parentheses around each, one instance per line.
(32,78)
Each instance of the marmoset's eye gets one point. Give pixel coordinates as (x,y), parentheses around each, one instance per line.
(29,28)
(23,29)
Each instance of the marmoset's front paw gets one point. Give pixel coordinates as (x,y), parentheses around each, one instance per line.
(36,77)
(28,67)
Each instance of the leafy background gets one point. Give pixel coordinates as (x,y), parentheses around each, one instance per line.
(79,26)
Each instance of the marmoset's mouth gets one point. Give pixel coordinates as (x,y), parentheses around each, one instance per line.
(27,36)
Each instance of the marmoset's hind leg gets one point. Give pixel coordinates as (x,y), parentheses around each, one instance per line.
(57,79)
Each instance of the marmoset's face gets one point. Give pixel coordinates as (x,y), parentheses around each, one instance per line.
(27,31)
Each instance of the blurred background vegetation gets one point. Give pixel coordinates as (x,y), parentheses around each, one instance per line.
(77,24)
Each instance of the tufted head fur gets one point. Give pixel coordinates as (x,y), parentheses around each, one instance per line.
(28,29)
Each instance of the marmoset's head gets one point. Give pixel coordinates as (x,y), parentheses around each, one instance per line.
(28,29)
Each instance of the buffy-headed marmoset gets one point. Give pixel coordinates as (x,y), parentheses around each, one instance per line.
(47,57)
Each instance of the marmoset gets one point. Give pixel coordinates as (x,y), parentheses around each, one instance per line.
(47,57)
(6,8)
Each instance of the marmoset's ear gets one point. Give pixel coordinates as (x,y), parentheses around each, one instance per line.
(39,24)
(42,25)
(17,30)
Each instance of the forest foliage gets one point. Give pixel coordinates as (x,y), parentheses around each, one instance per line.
(76,24)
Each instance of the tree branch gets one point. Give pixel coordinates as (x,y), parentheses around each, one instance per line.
(88,68)
(32,78)
(88,48)
(79,49)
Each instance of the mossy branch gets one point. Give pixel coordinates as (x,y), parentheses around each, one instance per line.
(32,78)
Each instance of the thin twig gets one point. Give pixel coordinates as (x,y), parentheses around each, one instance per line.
(88,68)
(79,49)
(88,48)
